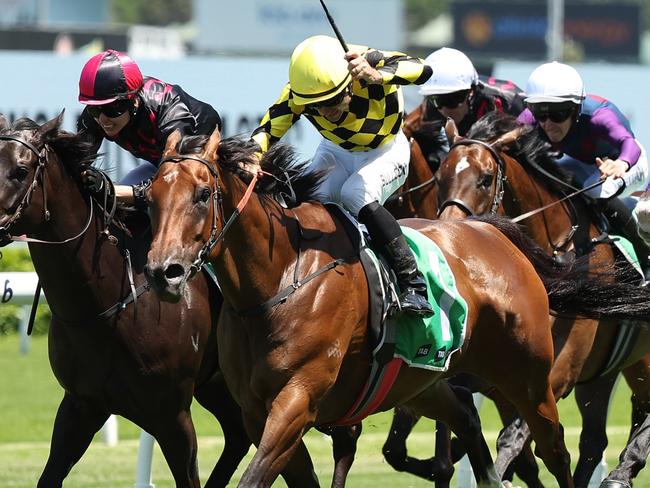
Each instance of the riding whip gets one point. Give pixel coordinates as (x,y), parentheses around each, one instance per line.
(334,27)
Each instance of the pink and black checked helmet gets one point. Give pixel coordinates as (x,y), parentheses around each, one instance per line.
(109,76)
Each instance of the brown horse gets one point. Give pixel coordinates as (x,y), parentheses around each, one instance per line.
(292,337)
(114,347)
(417,197)
(501,167)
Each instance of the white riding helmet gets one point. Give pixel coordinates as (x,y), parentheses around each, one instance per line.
(452,72)
(555,83)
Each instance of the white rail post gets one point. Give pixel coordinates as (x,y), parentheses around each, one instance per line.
(109,431)
(145,454)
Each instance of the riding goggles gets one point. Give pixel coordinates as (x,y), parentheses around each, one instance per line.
(110,110)
(329,102)
(449,100)
(556,114)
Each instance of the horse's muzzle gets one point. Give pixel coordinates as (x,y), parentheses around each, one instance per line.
(167,280)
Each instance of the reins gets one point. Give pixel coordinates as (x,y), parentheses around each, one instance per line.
(501,181)
(217,236)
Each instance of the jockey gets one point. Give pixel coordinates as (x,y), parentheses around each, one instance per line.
(593,131)
(137,113)
(456,91)
(355,101)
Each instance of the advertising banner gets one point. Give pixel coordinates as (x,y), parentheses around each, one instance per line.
(506,30)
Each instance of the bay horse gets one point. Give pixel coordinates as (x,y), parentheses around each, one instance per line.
(113,346)
(292,334)
(502,167)
(417,197)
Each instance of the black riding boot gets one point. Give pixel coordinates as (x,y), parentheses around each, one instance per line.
(622,221)
(387,236)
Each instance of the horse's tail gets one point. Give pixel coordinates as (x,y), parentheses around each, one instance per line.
(575,288)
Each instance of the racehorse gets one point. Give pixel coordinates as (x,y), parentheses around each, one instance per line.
(292,335)
(114,347)
(417,197)
(502,167)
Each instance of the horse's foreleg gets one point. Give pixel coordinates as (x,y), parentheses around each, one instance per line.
(278,437)
(592,399)
(632,459)
(215,397)
(454,406)
(635,455)
(74,427)
(438,468)
(177,440)
(394,449)
(344,445)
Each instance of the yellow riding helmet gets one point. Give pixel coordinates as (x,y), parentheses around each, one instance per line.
(318,70)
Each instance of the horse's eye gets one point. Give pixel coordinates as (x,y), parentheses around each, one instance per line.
(20,173)
(205,194)
(485,181)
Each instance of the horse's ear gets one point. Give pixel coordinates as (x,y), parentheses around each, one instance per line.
(170,146)
(49,129)
(4,123)
(210,149)
(451,130)
(508,138)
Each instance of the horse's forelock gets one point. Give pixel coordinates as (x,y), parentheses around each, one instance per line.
(530,149)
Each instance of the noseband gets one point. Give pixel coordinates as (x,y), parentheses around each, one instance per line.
(500,180)
(216,236)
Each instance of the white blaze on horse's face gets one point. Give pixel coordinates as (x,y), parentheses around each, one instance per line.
(170,177)
(462,164)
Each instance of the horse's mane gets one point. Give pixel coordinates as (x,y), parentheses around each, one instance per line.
(281,161)
(530,149)
(75,150)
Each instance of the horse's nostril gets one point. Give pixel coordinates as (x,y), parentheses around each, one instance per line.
(174,271)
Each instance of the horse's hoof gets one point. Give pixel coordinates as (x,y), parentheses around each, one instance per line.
(615,484)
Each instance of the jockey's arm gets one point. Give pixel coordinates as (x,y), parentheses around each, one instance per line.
(387,68)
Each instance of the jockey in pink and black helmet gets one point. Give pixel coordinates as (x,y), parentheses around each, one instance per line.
(137,112)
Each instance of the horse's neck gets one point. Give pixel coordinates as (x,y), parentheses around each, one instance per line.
(256,250)
(79,278)
(525,193)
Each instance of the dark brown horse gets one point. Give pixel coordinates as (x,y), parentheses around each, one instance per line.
(501,167)
(292,336)
(114,347)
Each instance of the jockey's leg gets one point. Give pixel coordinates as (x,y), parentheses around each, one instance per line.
(620,216)
(387,236)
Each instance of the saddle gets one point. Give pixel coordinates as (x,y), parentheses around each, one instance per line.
(398,339)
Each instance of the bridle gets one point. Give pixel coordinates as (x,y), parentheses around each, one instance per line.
(38,180)
(499,181)
(216,235)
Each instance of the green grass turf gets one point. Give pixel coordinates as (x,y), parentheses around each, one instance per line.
(29,396)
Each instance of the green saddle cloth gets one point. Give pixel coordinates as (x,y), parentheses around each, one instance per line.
(429,342)
(627,250)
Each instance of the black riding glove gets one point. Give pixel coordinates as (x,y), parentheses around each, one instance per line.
(93,179)
(140,195)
